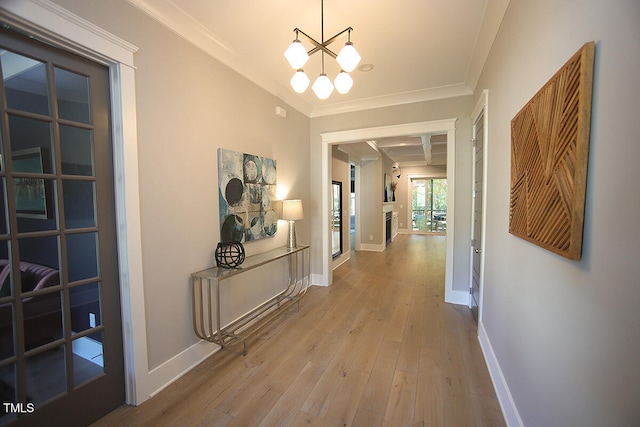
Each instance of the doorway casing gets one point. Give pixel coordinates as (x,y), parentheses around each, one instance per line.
(408,129)
(55,25)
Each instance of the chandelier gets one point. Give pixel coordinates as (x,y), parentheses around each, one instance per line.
(348,59)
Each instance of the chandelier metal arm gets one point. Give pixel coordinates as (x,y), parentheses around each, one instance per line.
(323,46)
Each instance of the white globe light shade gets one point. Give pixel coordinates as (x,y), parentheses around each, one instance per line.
(296,54)
(322,87)
(343,82)
(300,81)
(348,58)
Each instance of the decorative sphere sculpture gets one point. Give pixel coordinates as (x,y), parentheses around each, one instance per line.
(229,254)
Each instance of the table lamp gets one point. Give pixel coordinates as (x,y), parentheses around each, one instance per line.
(292,211)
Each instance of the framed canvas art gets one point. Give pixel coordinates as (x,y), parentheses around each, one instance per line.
(247,194)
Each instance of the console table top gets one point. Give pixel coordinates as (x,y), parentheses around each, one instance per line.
(249,263)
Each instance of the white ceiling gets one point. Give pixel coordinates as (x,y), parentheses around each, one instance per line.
(420,49)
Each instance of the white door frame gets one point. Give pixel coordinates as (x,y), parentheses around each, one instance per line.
(50,22)
(408,129)
(482,107)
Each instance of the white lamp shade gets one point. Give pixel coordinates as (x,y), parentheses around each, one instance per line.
(292,210)
(322,87)
(343,82)
(348,58)
(300,81)
(296,54)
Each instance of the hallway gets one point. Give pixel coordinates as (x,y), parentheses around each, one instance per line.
(377,348)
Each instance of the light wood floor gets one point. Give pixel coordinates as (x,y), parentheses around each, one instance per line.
(377,348)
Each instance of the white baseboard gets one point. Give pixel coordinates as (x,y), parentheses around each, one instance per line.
(456,297)
(372,247)
(509,409)
(341,260)
(319,280)
(164,375)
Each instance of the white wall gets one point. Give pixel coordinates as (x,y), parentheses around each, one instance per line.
(565,334)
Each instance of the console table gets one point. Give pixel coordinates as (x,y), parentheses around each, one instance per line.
(206,286)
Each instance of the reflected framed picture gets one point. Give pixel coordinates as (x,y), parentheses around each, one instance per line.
(31,192)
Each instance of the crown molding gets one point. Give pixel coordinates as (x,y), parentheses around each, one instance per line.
(422,95)
(36,16)
(177,20)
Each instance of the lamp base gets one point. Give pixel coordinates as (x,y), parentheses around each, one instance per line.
(292,244)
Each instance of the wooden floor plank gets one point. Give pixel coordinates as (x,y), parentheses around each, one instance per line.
(377,348)
(402,399)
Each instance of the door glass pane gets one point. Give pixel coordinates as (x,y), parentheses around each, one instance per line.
(41,253)
(76,146)
(73,96)
(6,334)
(42,315)
(25,81)
(7,306)
(35,207)
(3,207)
(7,391)
(46,375)
(85,307)
(82,256)
(87,358)
(6,288)
(79,203)
(2,156)
(418,204)
(31,145)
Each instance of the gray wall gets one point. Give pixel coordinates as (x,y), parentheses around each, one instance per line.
(188,106)
(566,333)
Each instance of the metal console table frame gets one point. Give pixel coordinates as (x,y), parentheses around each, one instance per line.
(206,284)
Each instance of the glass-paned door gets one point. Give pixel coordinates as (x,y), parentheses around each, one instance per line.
(429,205)
(60,323)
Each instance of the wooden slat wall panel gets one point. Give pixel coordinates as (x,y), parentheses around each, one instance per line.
(549,154)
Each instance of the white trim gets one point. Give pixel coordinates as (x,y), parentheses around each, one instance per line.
(421,95)
(164,375)
(457,297)
(50,22)
(372,247)
(180,22)
(482,107)
(318,280)
(341,260)
(450,295)
(507,404)
(186,27)
(364,134)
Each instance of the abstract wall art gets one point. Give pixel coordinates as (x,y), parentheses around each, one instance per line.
(247,194)
(549,155)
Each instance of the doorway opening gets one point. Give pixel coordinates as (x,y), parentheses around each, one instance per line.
(428,205)
(328,139)
(352,208)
